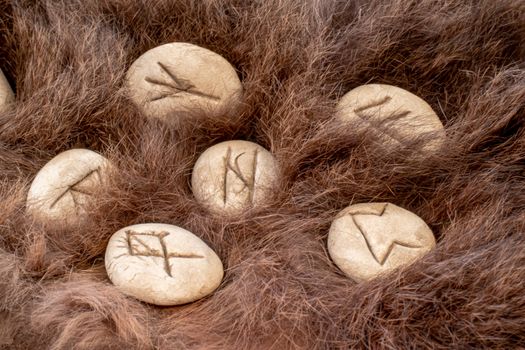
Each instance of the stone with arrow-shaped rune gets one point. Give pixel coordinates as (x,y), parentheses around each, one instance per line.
(392,116)
(180,78)
(369,239)
(63,189)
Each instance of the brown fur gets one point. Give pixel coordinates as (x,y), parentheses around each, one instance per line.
(295,58)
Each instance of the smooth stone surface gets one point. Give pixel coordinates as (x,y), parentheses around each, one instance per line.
(369,239)
(395,115)
(182,77)
(162,264)
(64,187)
(6,93)
(233,176)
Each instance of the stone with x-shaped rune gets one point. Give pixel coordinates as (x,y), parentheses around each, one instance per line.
(162,264)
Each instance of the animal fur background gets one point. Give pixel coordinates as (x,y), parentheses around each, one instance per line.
(68,58)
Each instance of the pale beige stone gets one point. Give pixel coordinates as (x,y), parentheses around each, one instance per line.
(64,187)
(162,264)
(182,77)
(233,176)
(6,93)
(394,115)
(369,239)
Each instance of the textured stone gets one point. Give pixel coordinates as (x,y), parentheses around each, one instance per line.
(394,115)
(6,93)
(369,239)
(179,77)
(233,176)
(162,264)
(64,187)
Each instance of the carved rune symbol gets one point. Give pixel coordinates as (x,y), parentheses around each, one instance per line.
(247,181)
(140,244)
(377,124)
(380,258)
(178,85)
(80,188)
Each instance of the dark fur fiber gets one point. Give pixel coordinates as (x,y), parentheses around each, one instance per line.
(67,60)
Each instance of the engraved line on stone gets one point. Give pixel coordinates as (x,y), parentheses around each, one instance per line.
(165,254)
(160,97)
(132,236)
(373,104)
(181,85)
(391,247)
(128,241)
(369,212)
(149,251)
(369,246)
(235,168)
(254,169)
(185,85)
(119,256)
(71,189)
(225,181)
(379,125)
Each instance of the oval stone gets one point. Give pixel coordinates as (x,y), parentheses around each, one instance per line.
(180,77)
(162,264)
(233,176)
(393,115)
(6,93)
(65,186)
(369,239)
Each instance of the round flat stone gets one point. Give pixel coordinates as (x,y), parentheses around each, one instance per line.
(369,239)
(64,187)
(233,176)
(162,264)
(6,93)
(180,77)
(394,115)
